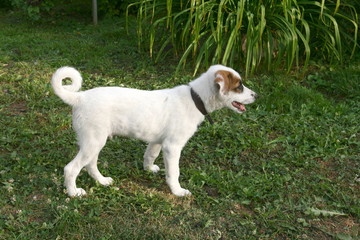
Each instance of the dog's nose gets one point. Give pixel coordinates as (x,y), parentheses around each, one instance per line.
(254,95)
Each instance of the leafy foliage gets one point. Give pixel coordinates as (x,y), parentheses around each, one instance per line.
(33,8)
(114,7)
(253,34)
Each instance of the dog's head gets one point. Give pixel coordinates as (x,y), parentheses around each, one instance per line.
(232,91)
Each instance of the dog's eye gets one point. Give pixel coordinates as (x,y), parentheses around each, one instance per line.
(240,88)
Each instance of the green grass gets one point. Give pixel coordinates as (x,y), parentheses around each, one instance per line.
(286,169)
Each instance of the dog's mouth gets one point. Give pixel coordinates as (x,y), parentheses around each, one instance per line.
(239,106)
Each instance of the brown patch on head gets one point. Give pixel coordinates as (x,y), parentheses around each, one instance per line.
(231,82)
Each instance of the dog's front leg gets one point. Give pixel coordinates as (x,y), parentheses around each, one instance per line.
(171,159)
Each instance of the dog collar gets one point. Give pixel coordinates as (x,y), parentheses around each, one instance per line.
(200,105)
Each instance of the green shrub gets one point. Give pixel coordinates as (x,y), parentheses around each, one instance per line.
(5,4)
(254,34)
(33,8)
(113,7)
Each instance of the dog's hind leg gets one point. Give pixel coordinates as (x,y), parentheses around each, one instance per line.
(71,171)
(95,173)
(87,157)
(151,153)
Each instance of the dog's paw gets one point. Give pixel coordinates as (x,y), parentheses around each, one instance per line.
(106,181)
(153,168)
(181,192)
(77,192)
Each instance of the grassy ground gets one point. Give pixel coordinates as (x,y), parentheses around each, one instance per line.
(286,169)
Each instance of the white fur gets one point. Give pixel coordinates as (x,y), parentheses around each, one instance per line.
(166,119)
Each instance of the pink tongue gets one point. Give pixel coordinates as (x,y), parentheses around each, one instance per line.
(239,106)
(242,108)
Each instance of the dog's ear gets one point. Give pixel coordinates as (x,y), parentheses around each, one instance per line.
(225,81)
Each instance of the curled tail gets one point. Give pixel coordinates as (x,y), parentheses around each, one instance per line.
(68,93)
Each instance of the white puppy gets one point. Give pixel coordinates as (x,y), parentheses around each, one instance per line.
(166,119)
